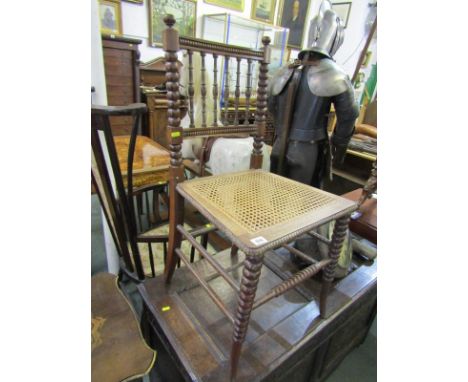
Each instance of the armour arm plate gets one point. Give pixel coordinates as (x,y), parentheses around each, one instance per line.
(347,111)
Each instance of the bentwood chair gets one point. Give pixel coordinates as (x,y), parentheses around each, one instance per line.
(258,211)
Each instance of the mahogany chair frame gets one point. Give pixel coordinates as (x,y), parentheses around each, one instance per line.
(217,50)
(253,261)
(117,200)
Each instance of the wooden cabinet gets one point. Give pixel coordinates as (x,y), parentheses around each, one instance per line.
(152,74)
(121,66)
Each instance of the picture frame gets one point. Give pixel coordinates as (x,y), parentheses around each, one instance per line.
(110,17)
(263,10)
(343,9)
(134,1)
(292,14)
(185,14)
(235,5)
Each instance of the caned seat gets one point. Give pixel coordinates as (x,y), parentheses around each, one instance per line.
(259,210)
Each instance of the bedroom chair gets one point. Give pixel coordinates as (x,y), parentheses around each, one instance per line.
(116,188)
(258,211)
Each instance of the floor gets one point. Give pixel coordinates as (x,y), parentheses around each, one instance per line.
(359,366)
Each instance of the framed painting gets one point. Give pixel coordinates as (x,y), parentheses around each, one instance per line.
(343,10)
(236,5)
(263,10)
(110,16)
(185,14)
(292,15)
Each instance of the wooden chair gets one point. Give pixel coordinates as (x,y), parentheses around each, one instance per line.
(117,181)
(258,211)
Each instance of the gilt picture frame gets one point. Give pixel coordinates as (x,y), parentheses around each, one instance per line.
(185,14)
(110,17)
(235,5)
(292,14)
(343,10)
(263,10)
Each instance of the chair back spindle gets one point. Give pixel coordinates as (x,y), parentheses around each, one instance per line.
(248,91)
(203,88)
(191,90)
(226,88)
(237,93)
(215,90)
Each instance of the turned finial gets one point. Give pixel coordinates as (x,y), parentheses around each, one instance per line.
(266,40)
(169,20)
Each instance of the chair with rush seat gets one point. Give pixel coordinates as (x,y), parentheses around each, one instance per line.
(256,210)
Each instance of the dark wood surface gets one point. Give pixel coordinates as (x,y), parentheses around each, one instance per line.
(121,67)
(156,118)
(118,350)
(286,340)
(366,225)
(150,161)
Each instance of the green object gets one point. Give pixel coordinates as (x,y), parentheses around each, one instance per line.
(236,5)
(371,84)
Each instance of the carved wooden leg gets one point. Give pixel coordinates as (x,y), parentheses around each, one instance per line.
(339,234)
(170,37)
(248,288)
(234,250)
(176,217)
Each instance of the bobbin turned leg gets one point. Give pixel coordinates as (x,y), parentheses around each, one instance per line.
(170,37)
(248,288)
(339,234)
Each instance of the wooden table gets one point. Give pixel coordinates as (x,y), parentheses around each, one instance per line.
(150,163)
(366,225)
(286,341)
(118,351)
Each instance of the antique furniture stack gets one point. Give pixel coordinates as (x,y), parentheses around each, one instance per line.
(121,67)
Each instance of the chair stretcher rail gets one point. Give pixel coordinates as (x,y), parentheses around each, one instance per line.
(300,254)
(319,237)
(206,286)
(209,258)
(291,282)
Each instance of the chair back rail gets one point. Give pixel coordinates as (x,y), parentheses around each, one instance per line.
(172,43)
(117,202)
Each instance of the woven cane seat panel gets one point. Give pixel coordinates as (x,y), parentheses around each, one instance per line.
(260,207)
